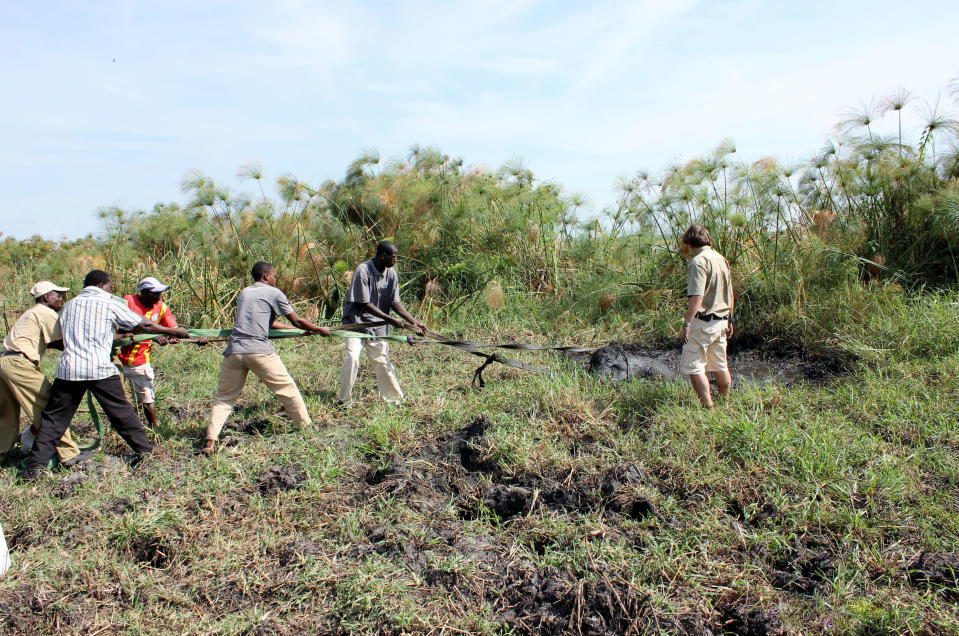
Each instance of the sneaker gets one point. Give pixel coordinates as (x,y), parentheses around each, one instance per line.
(79,459)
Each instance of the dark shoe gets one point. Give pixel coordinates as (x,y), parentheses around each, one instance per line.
(137,460)
(79,459)
(31,473)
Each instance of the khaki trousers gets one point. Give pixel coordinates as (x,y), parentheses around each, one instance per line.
(378,353)
(271,371)
(22,386)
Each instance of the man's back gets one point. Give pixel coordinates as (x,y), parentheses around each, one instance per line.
(88,323)
(709,277)
(257,307)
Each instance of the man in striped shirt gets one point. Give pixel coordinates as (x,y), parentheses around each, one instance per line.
(88,323)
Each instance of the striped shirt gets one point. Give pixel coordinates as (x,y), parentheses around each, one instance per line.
(88,323)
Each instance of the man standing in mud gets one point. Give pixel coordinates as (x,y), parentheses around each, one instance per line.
(257,308)
(374,292)
(22,385)
(709,315)
(88,324)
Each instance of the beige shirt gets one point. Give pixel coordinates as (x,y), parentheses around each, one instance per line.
(709,277)
(36,328)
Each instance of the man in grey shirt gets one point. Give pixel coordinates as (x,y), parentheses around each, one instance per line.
(249,349)
(374,292)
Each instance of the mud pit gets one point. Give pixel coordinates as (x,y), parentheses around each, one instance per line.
(454,480)
(748,362)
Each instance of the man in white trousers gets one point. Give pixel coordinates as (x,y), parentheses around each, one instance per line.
(374,292)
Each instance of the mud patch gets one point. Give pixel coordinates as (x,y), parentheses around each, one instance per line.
(280,478)
(297,552)
(935,570)
(68,486)
(742,620)
(806,566)
(748,362)
(28,611)
(552,601)
(154,551)
(509,501)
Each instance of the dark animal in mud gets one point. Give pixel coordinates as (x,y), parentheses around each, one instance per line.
(617,363)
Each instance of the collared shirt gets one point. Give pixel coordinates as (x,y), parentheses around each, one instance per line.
(370,285)
(32,332)
(139,353)
(88,323)
(257,307)
(709,277)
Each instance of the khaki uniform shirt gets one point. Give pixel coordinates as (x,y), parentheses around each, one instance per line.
(31,334)
(709,277)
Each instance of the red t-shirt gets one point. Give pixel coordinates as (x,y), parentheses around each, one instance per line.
(139,353)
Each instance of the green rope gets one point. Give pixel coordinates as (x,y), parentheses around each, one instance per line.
(274,334)
(97,424)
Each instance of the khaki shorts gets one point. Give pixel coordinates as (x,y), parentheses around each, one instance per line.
(705,348)
(140,378)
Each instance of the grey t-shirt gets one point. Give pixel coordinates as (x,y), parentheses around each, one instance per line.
(370,285)
(257,307)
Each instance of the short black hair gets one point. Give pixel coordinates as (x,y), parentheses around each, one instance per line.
(96,278)
(385,247)
(259,269)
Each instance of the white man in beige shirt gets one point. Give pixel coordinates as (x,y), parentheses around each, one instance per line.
(22,385)
(709,315)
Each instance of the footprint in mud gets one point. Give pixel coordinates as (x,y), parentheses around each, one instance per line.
(509,501)
(808,564)
(280,478)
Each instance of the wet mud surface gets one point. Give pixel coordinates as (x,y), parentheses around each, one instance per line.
(748,362)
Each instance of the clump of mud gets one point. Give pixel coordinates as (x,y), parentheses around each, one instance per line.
(552,601)
(936,570)
(740,619)
(280,478)
(808,564)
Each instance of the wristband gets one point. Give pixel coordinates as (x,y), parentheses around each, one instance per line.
(686,324)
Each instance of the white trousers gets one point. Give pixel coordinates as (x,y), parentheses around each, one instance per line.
(378,353)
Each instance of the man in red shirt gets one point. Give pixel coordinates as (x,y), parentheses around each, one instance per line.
(135,358)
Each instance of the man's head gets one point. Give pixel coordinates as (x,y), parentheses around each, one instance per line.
(150,290)
(696,236)
(386,255)
(263,272)
(49,294)
(99,278)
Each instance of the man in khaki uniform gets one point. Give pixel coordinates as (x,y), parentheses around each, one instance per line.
(22,385)
(709,315)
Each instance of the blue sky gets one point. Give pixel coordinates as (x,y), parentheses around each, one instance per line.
(112,102)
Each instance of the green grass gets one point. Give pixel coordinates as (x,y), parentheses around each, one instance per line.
(861,469)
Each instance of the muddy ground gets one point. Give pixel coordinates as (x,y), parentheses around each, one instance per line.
(748,362)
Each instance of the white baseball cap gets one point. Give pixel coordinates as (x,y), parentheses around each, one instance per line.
(151,284)
(44,287)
